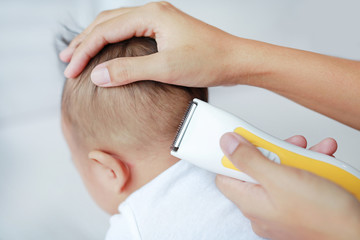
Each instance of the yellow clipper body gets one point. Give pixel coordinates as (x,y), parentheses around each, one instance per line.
(198,138)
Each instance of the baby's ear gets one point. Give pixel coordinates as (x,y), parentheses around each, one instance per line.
(112,172)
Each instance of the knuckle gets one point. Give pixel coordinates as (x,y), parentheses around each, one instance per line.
(151,5)
(95,38)
(165,4)
(158,6)
(97,30)
(103,14)
(76,41)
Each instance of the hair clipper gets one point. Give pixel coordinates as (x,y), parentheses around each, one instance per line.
(197,141)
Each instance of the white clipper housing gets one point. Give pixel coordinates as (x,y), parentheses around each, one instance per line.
(203,125)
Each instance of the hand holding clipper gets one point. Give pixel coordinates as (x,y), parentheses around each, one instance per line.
(198,137)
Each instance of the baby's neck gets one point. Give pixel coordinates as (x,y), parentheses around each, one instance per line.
(146,170)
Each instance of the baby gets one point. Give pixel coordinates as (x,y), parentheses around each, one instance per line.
(120,141)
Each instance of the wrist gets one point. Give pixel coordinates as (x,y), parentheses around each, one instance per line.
(249,62)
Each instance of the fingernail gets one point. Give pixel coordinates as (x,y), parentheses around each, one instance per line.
(229,142)
(100,75)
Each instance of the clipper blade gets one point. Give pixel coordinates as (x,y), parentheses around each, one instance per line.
(183,126)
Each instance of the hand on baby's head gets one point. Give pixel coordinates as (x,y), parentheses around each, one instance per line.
(125,129)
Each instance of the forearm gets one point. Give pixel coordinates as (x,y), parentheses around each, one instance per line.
(328,85)
(192,53)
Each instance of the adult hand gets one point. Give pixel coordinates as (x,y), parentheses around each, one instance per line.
(289,203)
(191,52)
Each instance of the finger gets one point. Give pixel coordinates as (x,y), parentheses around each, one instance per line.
(103,34)
(297,140)
(327,146)
(249,159)
(107,15)
(125,70)
(252,199)
(104,16)
(66,54)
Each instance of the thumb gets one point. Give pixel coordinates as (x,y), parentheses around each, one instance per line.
(247,158)
(125,70)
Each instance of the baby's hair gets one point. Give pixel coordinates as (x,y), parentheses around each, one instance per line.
(143,112)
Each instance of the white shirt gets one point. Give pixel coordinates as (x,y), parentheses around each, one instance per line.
(181,203)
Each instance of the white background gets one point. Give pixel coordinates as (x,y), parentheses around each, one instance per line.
(41,195)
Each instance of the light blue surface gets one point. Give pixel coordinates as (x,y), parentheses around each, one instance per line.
(41,195)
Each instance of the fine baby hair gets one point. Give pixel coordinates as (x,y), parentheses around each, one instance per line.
(142,112)
(119,139)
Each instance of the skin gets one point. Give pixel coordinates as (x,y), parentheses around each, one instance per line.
(189,53)
(279,210)
(111,173)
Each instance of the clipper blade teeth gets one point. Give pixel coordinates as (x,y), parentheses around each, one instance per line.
(179,133)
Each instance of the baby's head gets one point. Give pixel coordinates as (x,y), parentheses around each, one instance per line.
(119,137)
